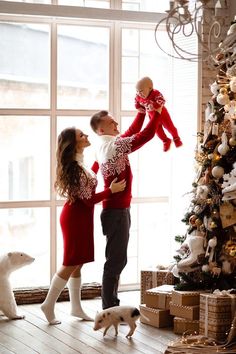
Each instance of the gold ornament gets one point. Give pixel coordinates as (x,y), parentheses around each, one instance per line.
(232,142)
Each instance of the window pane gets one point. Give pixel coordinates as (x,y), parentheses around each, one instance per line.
(83,67)
(24,65)
(130,42)
(27,230)
(147,60)
(105,4)
(145,5)
(129,69)
(147,231)
(146,170)
(25,158)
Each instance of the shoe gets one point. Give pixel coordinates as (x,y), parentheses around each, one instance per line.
(178,142)
(166,144)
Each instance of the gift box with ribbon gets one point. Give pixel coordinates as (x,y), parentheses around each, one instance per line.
(155,317)
(159,297)
(216,313)
(188,312)
(153,277)
(182,325)
(186,298)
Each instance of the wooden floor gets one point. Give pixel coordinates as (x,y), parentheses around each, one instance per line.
(34,335)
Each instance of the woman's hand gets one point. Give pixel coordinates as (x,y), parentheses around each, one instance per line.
(117,186)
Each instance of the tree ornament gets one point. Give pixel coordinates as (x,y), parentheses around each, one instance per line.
(210,156)
(217,172)
(222,98)
(227,214)
(195,244)
(214,87)
(229,184)
(202,192)
(232,84)
(230,108)
(212,117)
(211,248)
(223,148)
(192,220)
(226,267)
(205,268)
(232,141)
(216,213)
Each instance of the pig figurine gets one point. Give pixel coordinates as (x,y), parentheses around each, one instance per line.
(115,315)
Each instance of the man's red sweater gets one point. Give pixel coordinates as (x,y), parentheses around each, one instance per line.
(113,160)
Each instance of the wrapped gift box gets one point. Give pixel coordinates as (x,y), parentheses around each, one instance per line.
(222,325)
(218,336)
(151,278)
(216,312)
(155,317)
(186,298)
(159,297)
(182,325)
(188,312)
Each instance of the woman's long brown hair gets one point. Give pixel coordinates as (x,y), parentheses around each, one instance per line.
(68,172)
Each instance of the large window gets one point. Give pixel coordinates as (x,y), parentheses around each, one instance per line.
(55,73)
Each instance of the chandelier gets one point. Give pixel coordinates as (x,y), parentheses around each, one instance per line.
(184,19)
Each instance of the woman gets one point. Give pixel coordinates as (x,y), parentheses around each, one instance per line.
(77,184)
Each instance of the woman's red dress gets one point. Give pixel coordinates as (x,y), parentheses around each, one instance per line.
(76,221)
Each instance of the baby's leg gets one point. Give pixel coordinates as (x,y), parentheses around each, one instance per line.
(169,126)
(160,131)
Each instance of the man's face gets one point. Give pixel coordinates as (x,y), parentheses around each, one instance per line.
(108,126)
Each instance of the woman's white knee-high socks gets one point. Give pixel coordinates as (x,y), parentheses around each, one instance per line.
(74,286)
(56,287)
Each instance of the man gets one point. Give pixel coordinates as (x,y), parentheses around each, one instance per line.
(113,161)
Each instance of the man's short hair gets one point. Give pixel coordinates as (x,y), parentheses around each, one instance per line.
(96,119)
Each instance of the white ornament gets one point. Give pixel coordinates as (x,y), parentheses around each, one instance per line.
(211,245)
(217,172)
(195,244)
(223,148)
(229,184)
(202,192)
(214,88)
(205,268)
(222,98)
(232,84)
(175,271)
(212,117)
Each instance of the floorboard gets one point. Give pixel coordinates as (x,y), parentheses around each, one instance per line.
(34,335)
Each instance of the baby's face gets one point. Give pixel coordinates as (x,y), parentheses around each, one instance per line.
(143,89)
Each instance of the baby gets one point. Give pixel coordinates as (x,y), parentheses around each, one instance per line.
(148,99)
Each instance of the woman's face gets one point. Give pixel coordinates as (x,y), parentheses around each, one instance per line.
(81,140)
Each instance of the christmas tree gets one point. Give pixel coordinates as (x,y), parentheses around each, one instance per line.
(206,258)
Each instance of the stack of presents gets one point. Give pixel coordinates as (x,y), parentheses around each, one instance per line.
(209,314)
